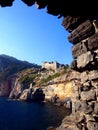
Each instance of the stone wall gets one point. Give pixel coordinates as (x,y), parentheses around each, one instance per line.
(51,65)
(84,37)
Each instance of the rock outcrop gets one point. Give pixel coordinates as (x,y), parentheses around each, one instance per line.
(85,87)
(43,85)
(9,66)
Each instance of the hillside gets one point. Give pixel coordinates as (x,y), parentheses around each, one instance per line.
(29,82)
(9,66)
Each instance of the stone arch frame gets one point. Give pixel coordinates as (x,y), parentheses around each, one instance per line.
(83,29)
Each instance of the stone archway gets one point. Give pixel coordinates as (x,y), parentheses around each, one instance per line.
(83,29)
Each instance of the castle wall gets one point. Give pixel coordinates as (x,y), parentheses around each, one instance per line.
(50,65)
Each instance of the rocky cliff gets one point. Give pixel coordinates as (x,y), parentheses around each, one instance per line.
(9,66)
(43,85)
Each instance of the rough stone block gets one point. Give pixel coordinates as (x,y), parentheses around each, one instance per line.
(83,31)
(93,42)
(92,125)
(84,59)
(93,75)
(79,49)
(82,106)
(70,23)
(88,95)
(84,77)
(86,86)
(86,108)
(96,108)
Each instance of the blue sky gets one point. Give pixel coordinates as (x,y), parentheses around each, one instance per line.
(27,33)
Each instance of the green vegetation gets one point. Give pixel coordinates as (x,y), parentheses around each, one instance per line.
(27,79)
(50,77)
(10,66)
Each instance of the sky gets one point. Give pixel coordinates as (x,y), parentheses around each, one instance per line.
(32,35)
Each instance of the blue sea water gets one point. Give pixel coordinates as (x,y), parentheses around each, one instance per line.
(18,115)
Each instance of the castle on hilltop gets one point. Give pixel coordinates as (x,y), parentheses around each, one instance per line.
(51,65)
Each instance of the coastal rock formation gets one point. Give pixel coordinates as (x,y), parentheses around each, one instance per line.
(43,85)
(6,86)
(9,66)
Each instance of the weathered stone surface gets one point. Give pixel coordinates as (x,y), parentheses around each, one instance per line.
(86,86)
(79,49)
(89,75)
(76,89)
(73,75)
(89,117)
(92,125)
(88,95)
(62,90)
(32,95)
(93,75)
(87,45)
(25,95)
(95,84)
(74,65)
(84,77)
(84,59)
(70,23)
(93,42)
(77,106)
(86,108)
(83,31)
(95,22)
(16,91)
(83,106)
(96,108)
(72,122)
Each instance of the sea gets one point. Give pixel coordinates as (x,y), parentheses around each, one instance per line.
(20,115)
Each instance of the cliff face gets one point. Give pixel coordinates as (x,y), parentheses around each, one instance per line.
(9,66)
(6,86)
(42,84)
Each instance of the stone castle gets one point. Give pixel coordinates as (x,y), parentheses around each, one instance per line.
(51,65)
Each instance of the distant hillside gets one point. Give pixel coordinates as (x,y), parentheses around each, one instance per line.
(10,65)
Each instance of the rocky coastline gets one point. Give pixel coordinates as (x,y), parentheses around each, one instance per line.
(57,90)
